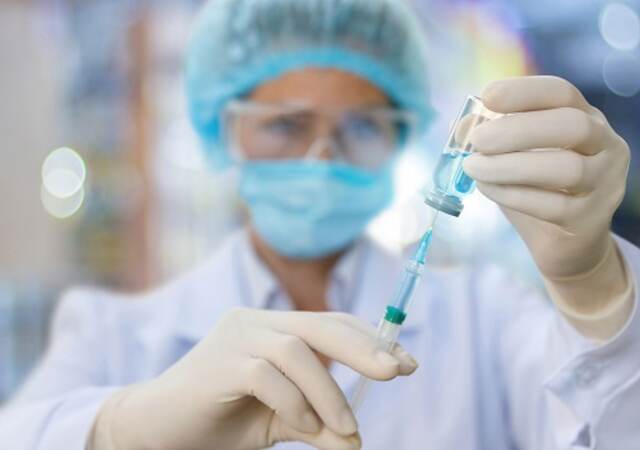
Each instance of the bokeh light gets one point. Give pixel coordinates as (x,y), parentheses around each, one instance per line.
(621,73)
(620,26)
(64,174)
(62,208)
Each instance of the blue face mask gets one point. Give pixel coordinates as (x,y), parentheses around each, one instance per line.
(306,210)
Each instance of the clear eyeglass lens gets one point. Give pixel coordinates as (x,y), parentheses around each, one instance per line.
(363,138)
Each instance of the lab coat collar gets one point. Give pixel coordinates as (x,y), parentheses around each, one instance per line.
(262,287)
(260,283)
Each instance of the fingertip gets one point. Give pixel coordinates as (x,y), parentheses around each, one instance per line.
(348,422)
(356,441)
(327,439)
(493,94)
(353,442)
(470,164)
(407,367)
(481,137)
(487,189)
(388,366)
(408,364)
(480,185)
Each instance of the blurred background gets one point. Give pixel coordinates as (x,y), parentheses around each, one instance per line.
(102,181)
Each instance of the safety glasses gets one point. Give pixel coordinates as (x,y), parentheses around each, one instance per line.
(367,138)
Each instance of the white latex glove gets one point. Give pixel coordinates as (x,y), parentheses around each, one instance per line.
(253,381)
(558,171)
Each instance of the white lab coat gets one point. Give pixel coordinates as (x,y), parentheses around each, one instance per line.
(500,369)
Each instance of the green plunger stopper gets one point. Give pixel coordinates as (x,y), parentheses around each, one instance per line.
(395,315)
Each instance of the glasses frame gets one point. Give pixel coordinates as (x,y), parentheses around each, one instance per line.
(238,107)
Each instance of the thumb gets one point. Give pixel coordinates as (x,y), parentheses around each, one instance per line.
(323,439)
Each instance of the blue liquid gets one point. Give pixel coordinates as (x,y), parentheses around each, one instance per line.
(412,274)
(449,177)
(421,253)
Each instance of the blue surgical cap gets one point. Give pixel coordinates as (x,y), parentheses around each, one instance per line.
(239,44)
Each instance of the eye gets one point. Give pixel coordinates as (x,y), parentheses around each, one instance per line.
(286,126)
(362,127)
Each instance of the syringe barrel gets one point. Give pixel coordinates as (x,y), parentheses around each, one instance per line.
(388,333)
(410,280)
(386,338)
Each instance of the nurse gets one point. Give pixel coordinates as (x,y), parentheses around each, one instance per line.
(313,101)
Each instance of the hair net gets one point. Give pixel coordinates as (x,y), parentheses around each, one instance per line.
(238,44)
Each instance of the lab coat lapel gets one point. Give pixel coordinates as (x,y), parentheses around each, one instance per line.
(217,287)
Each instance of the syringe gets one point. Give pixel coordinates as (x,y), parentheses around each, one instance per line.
(450,185)
(396,312)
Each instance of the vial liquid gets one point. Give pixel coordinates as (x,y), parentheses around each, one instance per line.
(450,184)
(449,176)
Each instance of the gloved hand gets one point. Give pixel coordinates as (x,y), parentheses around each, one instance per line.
(254,381)
(558,171)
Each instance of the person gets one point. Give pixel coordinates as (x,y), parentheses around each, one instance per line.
(313,101)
